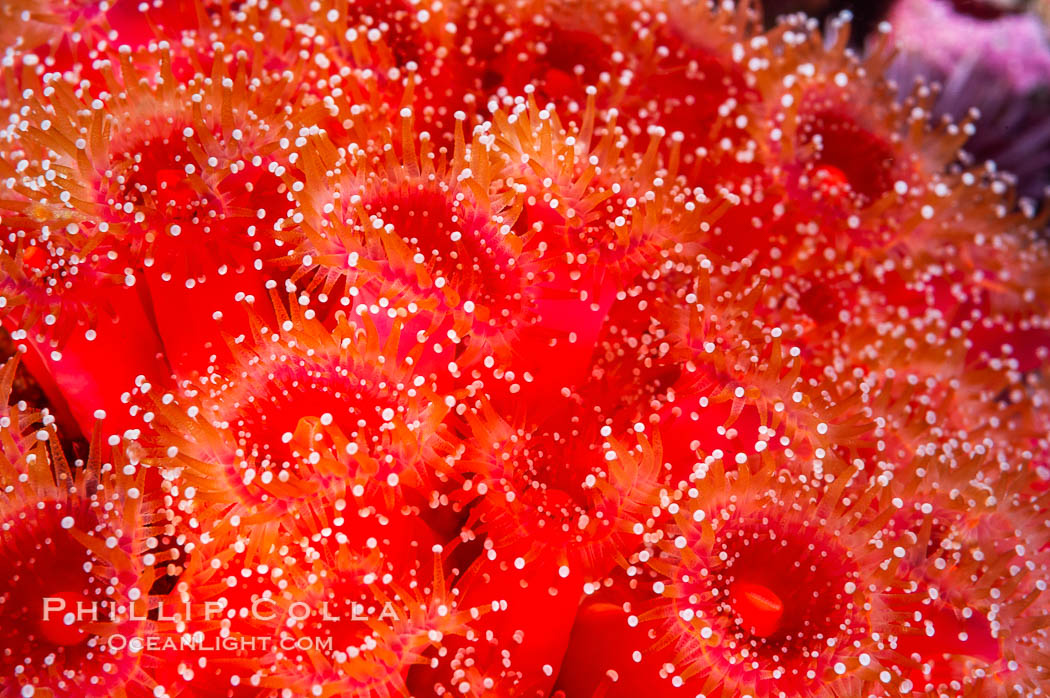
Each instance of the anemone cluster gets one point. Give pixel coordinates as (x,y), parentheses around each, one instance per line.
(479,348)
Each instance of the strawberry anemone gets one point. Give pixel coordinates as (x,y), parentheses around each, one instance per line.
(159,166)
(58,33)
(70,312)
(216,631)
(42,284)
(971,272)
(402,54)
(897,243)
(958,643)
(639,353)
(563,488)
(597,212)
(679,75)
(765,583)
(783,212)
(72,538)
(376,588)
(586,194)
(404,230)
(378,630)
(1004,311)
(743,388)
(554,505)
(369,58)
(822,132)
(302,410)
(814,92)
(808,196)
(957,266)
(652,362)
(506,50)
(691,79)
(982,563)
(940,405)
(379,34)
(288,602)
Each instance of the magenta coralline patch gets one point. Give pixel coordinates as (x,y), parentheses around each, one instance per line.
(1012,47)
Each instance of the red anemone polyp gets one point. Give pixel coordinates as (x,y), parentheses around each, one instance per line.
(638,356)
(431,237)
(303,410)
(760,583)
(774,593)
(41,580)
(823,118)
(838,144)
(690,78)
(558,54)
(371,586)
(382,35)
(161,182)
(71,540)
(743,589)
(171,166)
(598,215)
(173,155)
(216,632)
(376,634)
(978,563)
(44,286)
(587,198)
(58,32)
(572,510)
(456,247)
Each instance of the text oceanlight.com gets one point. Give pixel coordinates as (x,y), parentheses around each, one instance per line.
(201,642)
(264,610)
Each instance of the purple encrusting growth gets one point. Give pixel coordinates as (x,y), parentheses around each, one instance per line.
(995,61)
